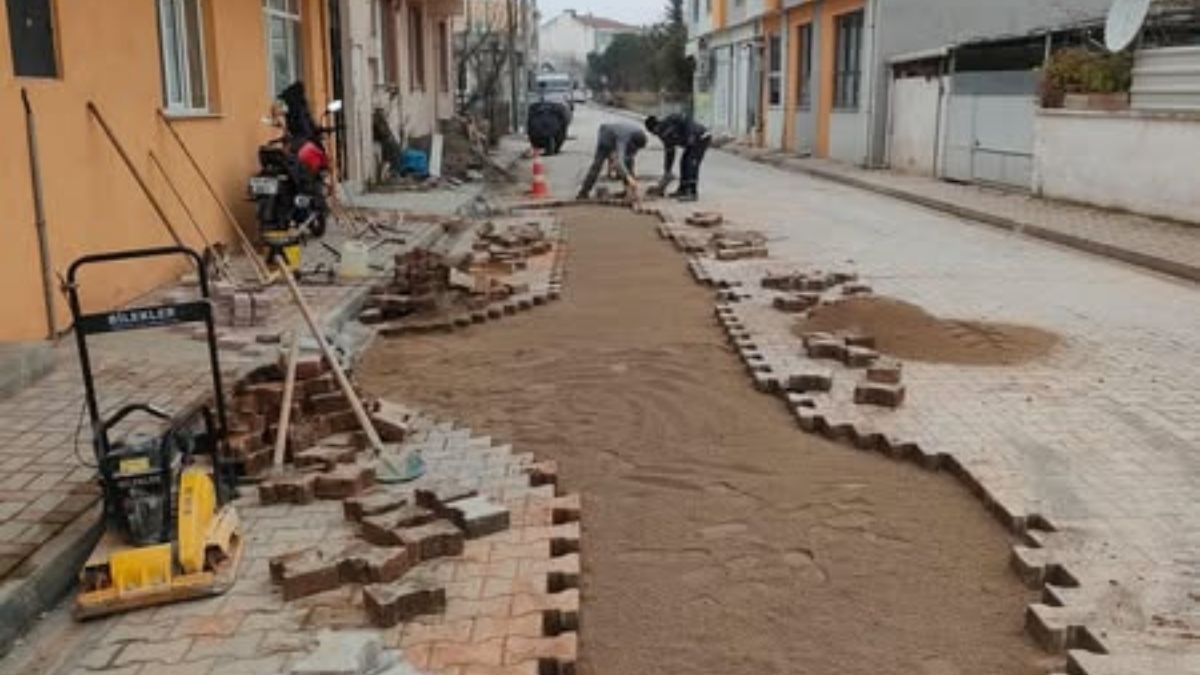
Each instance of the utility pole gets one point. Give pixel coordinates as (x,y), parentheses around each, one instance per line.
(510,7)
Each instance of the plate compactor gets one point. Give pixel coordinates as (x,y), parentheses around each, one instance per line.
(170,533)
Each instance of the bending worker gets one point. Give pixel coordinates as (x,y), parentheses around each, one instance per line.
(621,142)
(680,131)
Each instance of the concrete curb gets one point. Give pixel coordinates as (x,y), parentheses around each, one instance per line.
(1144,260)
(48,575)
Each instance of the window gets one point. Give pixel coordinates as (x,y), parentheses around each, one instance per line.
(416,49)
(181,38)
(31,36)
(848,68)
(775,70)
(444,56)
(804,68)
(390,43)
(283,43)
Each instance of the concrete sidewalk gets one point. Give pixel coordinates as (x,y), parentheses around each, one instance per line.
(1163,246)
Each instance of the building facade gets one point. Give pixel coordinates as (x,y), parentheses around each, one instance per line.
(398,61)
(569,38)
(213,68)
(813,76)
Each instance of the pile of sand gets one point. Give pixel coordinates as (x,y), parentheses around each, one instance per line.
(906,331)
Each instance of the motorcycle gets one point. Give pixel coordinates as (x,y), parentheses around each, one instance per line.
(292,190)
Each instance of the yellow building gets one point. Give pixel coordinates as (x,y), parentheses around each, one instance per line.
(212,66)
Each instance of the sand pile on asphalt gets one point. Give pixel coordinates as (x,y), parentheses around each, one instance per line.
(906,331)
(718,538)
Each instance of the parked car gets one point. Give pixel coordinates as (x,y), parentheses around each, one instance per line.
(551,112)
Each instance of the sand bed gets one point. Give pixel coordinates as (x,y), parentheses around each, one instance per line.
(907,331)
(718,537)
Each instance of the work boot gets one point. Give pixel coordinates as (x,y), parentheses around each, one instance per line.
(688,197)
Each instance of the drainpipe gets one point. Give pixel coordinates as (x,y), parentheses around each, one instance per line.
(873,73)
(39,215)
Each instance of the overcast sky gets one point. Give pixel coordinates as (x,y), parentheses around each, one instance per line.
(630,11)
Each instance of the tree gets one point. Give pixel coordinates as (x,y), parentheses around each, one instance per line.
(654,60)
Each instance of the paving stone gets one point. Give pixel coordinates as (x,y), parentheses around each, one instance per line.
(562,649)
(345,653)
(874,393)
(391,604)
(291,489)
(859,357)
(885,372)
(159,651)
(306,572)
(826,348)
(811,380)
(363,563)
(378,501)
(796,302)
(477,516)
(384,529)
(325,458)
(438,539)
(344,481)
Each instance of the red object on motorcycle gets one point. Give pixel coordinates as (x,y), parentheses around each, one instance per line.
(313,157)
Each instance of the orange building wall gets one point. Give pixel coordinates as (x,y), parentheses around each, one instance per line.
(829,13)
(108,53)
(796,18)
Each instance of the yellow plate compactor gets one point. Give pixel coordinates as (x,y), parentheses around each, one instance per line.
(170,533)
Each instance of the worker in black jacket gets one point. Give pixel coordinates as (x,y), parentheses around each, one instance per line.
(680,131)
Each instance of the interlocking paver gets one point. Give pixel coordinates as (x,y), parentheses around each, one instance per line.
(1095,440)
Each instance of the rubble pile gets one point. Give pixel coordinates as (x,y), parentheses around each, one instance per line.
(487,270)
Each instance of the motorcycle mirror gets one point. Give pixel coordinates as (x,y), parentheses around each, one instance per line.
(334,106)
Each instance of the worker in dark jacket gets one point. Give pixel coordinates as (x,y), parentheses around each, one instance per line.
(620,142)
(679,131)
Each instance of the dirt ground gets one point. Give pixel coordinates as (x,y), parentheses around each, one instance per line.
(907,331)
(718,538)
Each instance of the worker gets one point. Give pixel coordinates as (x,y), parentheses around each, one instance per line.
(680,131)
(620,142)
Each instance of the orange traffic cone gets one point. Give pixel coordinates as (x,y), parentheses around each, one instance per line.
(539,188)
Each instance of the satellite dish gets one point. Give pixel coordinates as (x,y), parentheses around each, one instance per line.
(1125,19)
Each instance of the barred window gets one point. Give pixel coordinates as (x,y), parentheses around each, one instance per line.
(848,66)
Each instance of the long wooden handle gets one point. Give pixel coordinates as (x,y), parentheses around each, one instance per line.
(289,391)
(364,420)
(137,176)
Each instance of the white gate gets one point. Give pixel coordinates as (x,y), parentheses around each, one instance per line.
(989,128)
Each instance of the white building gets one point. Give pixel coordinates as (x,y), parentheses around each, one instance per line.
(396,61)
(568,39)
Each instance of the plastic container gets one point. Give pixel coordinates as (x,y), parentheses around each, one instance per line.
(356,260)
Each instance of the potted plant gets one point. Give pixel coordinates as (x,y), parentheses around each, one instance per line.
(1081,79)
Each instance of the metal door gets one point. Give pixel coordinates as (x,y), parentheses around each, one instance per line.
(989,128)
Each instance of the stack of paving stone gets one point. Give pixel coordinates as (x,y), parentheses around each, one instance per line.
(319,410)
(739,245)
(481,271)
(799,292)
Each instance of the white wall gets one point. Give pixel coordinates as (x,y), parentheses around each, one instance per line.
(564,39)
(914,124)
(848,137)
(1141,162)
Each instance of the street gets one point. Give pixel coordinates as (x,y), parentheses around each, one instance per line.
(1089,447)
(719,537)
